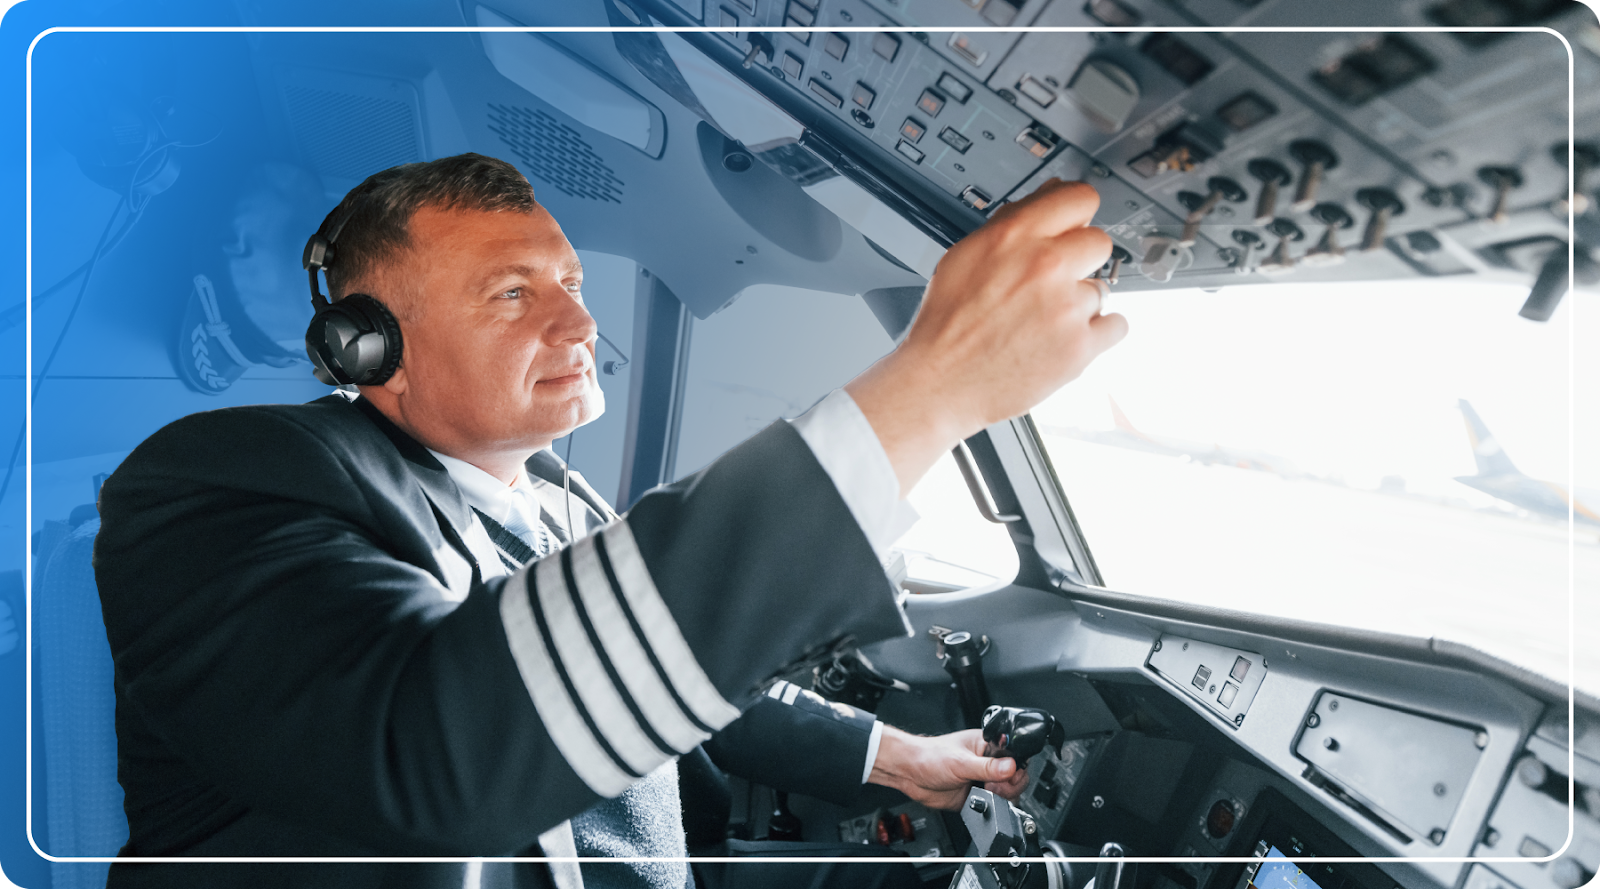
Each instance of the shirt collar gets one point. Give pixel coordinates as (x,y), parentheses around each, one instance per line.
(483,491)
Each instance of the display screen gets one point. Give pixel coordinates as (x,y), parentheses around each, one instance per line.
(1278,872)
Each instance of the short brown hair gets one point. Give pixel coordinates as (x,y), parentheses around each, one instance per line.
(380,210)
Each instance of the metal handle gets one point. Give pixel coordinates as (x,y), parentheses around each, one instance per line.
(980,490)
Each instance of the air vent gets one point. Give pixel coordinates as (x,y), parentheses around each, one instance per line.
(555,153)
(350,136)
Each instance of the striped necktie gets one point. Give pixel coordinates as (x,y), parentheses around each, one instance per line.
(515,542)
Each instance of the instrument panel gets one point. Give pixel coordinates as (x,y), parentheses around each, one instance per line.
(1231,142)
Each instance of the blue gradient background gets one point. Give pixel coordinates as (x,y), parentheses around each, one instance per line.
(112,379)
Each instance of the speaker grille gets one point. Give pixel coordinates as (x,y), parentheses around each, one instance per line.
(349,136)
(555,153)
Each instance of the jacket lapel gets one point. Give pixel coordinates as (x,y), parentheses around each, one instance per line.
(449,504)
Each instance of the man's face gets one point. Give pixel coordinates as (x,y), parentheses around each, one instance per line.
(499,350)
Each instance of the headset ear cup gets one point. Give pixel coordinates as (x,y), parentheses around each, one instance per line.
(375,318)
(355,341)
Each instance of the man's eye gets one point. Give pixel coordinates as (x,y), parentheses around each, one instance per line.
(513,293)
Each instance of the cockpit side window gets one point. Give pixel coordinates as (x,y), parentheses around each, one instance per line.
(778,350)
(1392,457)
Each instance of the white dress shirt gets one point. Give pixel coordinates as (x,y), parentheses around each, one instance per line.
(837,433)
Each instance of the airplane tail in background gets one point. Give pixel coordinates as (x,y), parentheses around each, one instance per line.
(1122,421)
(1492,459)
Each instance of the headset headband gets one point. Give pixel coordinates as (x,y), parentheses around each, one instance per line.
(319,253)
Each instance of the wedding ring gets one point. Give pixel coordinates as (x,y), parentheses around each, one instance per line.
(1103,289)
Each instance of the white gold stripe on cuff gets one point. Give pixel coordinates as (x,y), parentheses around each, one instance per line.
(627,655)
(588,675)
(556,708)
(661,631)
(790,693)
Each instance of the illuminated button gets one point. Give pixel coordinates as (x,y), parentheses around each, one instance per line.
(910,151)
(930,103)
(952,86)
(1201,677)
(826,94)
(792,65)
(955,140)
(1036,91)
(965,48)
(1037,140)
(1229,690)
(974,198)
(836,46)
(801,15)
(862,96)
(802,36)
(912,130)
(886,46)
(1241,666)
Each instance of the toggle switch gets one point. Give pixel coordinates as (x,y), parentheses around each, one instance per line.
(1328,250)
(1384,205)
(1280,261)
(1220,188)
(1113,266)
(1273,176)
(1502,180)
(1249,242)
(1315,160)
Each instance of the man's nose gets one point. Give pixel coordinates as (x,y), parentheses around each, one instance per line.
(569,321)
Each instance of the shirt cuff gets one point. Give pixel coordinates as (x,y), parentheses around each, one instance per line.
(849,451)
(872,750)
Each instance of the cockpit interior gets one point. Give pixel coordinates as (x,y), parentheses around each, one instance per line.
(1277,587)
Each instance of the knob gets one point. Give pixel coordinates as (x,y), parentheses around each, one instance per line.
(1273,176)
(1280,261)
(1220,188)
(1502,180)
(1384,205)
(1315,159)
(1328,250)
(1248,242)
(1568,873)
(1585,158)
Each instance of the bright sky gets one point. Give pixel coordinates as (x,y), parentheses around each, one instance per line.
(1359,380)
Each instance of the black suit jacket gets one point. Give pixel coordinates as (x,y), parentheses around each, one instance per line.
(295,678)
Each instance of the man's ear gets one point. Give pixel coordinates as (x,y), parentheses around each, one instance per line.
(397,383)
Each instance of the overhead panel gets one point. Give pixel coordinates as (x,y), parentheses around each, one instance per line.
(1234,156)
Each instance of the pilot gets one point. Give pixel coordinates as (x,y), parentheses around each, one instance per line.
(390,625)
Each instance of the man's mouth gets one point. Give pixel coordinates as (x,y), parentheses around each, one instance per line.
(573,376)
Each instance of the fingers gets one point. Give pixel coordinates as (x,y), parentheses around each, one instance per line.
(1054,208)
(1011,788)
(1106,331)
(1087,250)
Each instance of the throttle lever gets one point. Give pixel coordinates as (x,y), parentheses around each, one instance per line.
(1020,733)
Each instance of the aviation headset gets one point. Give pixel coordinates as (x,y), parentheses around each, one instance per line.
(355,341)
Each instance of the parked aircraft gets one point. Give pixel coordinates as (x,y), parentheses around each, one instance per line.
(1498,477)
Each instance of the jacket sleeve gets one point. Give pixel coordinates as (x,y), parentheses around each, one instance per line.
(265,626)
(794,740)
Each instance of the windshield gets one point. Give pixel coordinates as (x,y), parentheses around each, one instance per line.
(1389,456)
